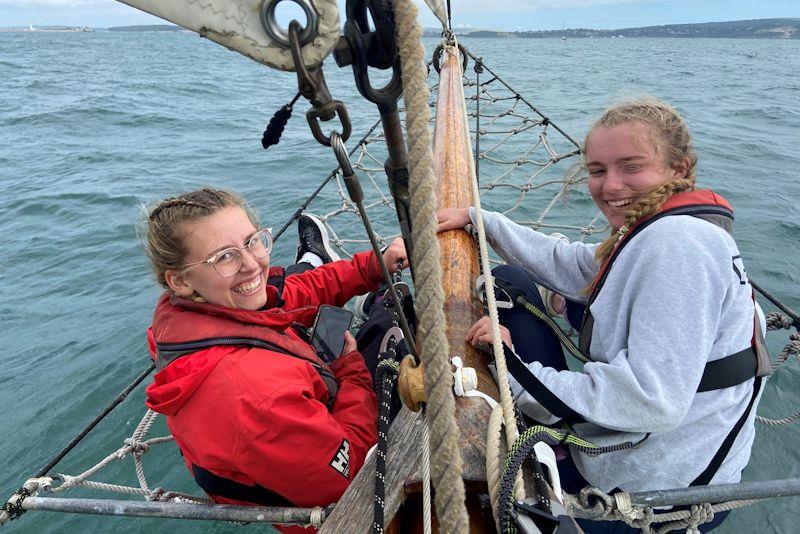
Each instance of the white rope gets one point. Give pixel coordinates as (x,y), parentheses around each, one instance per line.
(493,453)
(426,474)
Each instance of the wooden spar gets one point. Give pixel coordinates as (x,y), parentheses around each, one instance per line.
(454,168)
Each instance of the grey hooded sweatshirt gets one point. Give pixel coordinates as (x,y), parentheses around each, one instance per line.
(675,298)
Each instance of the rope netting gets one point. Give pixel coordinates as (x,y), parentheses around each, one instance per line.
(519,152)
(526,168)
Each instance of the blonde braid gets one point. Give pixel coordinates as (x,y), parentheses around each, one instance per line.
(642,209)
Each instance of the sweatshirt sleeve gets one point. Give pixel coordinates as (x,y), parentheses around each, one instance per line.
(333,283)
(669,294)
(309,455)
(566,268)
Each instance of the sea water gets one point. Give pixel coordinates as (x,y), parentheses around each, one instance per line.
(95,125)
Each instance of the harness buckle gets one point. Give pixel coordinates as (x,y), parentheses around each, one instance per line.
(504,301)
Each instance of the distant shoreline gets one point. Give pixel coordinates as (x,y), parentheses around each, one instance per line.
(784,28)
(788,28)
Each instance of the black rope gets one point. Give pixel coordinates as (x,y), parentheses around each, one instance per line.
(316,192)
(385,375)
(272,135)
(449,17)
(791,313)
(82,434)
(523,448)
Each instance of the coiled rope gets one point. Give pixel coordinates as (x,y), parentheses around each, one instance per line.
(446,465)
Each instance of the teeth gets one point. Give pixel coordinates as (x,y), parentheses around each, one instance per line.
(246,288)
(619,203)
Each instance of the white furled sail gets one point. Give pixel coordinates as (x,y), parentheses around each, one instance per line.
(237,25)
(439,9)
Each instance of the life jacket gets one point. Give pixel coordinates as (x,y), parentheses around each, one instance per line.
(725,372)
(186,327)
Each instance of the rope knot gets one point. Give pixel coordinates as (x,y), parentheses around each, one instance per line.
(596,501)
(137,447)
(623,501)
(793,346)
(778,321)
(702,513)
(156,494)
(67,481)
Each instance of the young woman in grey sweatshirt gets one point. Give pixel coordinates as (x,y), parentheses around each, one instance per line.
(675,298)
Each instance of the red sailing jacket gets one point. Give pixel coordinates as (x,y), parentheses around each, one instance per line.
(257,416)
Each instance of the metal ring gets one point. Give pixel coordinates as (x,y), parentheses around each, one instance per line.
(340,151)
(280,35)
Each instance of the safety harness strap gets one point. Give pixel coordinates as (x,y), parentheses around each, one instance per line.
(539,391)
(230,489)
(169,352)
(729,371)
(705,477)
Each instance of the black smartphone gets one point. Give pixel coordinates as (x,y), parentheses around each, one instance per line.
(327,336)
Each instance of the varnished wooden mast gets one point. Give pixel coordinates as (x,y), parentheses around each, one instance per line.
(454,169)
(453,166)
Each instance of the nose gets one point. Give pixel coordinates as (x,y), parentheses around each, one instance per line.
(249,261)
(613,181)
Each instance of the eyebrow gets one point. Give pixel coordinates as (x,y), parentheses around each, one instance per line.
(623,160)
(226,247)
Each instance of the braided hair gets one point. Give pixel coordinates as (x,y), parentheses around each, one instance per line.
(167,221)
(672,141)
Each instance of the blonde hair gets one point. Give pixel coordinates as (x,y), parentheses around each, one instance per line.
(672,141)
(166,222)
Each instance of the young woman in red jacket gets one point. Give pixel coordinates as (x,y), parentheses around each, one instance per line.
(258,417)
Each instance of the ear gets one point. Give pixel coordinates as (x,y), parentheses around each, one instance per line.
(177,283)
(680,169)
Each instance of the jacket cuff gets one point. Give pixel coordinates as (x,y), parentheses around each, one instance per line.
(372,267)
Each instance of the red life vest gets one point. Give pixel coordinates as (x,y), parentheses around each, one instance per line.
(182,327)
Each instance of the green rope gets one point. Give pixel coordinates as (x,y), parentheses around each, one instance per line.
(522,448)
(562,336)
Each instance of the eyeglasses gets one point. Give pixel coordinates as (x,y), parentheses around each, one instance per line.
(228,262)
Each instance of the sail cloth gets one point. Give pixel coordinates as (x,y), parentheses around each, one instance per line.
(236,24)
(439,9)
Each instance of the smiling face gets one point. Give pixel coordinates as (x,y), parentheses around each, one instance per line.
(624,165)
(204,237)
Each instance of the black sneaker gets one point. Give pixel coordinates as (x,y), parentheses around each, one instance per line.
(313,238)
